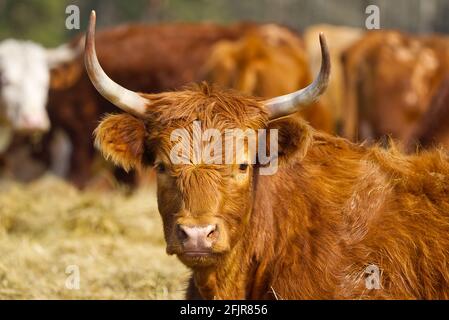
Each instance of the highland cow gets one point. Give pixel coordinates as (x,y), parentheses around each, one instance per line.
(332,212)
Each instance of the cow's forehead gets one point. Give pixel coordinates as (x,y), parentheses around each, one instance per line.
(200,108)
(212,107)
(203,118)
(239,143)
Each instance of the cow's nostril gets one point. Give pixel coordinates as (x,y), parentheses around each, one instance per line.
(213,234)
(181,233)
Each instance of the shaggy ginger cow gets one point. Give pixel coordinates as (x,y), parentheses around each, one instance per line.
(333,211)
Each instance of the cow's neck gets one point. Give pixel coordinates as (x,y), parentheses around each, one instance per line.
(289,210)
(295,218)
(247,271)
(227,280)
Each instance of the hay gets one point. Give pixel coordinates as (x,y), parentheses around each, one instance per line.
(115,239)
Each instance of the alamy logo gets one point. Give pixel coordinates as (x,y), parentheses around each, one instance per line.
(372,280)
(214,147)
(72,281)
(73,19)
(373,19)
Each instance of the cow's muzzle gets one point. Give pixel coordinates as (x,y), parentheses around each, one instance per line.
(197,240)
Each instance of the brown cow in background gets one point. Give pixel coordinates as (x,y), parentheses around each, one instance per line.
(433,129)
(391,78)
(333,211)
(267,62)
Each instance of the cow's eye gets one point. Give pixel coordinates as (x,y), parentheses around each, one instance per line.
(160,168)
(243,166)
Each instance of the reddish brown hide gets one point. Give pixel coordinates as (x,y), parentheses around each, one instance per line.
(391,78)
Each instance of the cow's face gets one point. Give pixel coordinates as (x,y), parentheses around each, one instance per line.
(24,83)
(204,195)
(205,208)
(205,204)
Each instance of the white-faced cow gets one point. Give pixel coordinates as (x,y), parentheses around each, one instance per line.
(25,81)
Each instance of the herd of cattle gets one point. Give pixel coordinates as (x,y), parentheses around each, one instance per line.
(384,83)
(334,211)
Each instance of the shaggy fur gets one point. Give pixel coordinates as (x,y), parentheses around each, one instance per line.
(123,136)
(309,231)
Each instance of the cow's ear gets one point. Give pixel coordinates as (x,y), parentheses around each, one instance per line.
(294,138)
(121,138)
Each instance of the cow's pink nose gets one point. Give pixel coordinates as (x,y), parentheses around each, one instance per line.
(197,238)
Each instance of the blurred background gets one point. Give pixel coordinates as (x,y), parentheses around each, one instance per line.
(73,225)
(43,21)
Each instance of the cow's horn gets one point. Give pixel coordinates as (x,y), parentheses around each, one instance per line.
(292,102)
(127,100)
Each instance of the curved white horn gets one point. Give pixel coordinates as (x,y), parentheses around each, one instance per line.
(287,104)
(127,100)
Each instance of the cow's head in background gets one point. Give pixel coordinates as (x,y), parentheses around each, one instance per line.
(24,82)
(204,207)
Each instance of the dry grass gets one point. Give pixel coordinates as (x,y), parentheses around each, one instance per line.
(115,239)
